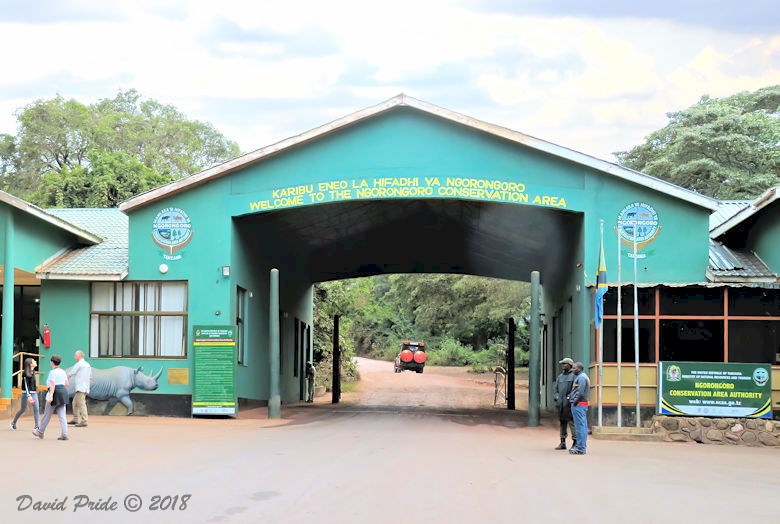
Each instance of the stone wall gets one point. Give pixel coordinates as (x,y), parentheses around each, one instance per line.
(737,431)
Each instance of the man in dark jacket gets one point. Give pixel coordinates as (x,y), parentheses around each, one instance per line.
(562,388)
(578,398)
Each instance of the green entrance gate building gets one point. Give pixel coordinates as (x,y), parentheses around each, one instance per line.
(404,186)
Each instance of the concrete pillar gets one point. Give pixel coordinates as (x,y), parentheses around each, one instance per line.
(274,397)
(7,347)
(534,355)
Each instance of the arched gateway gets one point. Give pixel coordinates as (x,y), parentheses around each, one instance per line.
(403,186)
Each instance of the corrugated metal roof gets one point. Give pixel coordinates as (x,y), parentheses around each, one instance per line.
(726,210)
(105,261)
(726,263)
(768,198)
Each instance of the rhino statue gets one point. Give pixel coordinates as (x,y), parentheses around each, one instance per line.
(114,385)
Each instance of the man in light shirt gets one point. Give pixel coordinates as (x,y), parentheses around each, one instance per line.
(80,374)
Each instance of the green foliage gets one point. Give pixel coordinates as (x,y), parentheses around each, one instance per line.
(335,298)
(461,319)
(67,153)
(725,148)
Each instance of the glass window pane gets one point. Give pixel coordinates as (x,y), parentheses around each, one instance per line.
(692,340)
(646,340)
(754,302)
(102,296)
(645,300)
(691,301)
(171,333)
(174,296)
(754,341)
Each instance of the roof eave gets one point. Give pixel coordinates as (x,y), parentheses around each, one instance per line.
(103,277)
(31,209)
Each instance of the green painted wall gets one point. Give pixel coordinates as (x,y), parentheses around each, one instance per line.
(34,240)
(65,308)
(764,238)
(415,146)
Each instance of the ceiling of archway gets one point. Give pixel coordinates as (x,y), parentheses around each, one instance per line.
(353,239)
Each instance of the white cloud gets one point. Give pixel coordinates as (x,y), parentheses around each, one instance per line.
(597,85)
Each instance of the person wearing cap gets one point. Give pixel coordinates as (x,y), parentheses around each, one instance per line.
(578,398)
(562,387)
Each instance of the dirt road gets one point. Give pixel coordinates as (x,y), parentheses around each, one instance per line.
(380,463)
(448,388)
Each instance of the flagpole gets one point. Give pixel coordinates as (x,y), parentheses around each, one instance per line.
(619,337)
(636,331)
(600,332)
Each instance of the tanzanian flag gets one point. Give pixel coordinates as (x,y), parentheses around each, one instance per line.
(601,285)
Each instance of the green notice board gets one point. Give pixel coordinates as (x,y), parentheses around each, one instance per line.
(715,389)
(214,381)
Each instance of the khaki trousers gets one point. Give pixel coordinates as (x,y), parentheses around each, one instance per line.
(80,407)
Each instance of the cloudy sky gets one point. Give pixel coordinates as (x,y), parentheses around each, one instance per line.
(596,76)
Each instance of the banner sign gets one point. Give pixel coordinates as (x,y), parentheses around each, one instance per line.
(715,389)
(214,385)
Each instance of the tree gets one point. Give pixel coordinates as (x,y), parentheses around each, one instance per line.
(461,317)
(64,145)
(726,148)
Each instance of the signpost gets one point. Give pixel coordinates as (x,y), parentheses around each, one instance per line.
(214,385)
(715,389)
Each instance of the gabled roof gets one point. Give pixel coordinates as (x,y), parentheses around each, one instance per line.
(82,235)
(769,197)
(105,261)
(407,101)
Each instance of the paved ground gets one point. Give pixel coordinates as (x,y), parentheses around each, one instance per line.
(379,463)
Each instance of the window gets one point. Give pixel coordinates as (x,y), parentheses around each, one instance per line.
(691,301)
(754,302)
(138,319)
(646,341)
(645,301)
(696,340)
(240,316)
(754,341)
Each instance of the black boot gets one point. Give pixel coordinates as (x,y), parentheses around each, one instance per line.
(562,445)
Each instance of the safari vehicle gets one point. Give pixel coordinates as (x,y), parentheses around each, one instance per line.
(412,356)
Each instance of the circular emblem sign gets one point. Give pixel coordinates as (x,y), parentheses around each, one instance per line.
(638,221)
(760,376)
(172,231)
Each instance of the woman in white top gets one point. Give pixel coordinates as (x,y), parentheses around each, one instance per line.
(56,399)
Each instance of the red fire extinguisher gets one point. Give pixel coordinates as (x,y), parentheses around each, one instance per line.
(46,336)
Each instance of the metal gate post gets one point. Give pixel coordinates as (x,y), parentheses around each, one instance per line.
(510,364)
(336,387)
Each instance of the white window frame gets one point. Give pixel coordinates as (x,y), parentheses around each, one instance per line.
(138,319)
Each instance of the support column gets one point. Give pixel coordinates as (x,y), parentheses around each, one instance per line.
(274,398)
(7,348)
(510,364)
(534,356)
(336,387)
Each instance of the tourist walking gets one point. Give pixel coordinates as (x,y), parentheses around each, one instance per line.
(80,374)
(56,399)
(29,391)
